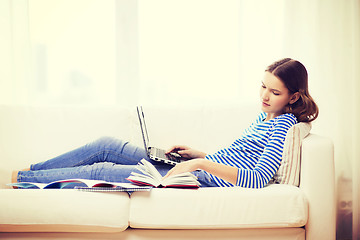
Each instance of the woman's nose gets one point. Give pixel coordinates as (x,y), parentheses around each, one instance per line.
(265,95)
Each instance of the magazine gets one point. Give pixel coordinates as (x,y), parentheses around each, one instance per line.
(150,176)
(83,184)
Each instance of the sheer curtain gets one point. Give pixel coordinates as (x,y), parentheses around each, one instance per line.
(15,51)
(186,52)
(58,52)
(206,51)
(325,35)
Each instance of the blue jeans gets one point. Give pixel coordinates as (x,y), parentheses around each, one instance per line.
(106,159)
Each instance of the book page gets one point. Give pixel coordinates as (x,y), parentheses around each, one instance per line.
(152,170)
(139,178)
(149,175)
(187,179)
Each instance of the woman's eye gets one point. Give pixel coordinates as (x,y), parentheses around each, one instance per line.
(276,94)
(263,86)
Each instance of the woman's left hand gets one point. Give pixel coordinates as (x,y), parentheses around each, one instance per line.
(186,166)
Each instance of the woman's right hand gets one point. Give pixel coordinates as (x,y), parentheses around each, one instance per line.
(186,152)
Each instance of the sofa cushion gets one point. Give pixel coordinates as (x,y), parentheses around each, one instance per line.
(289,170)
(275,206)
(66,210)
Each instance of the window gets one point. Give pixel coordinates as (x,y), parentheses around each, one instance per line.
(94,52)
(73,51)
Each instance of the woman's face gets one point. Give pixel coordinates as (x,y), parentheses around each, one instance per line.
(274,96)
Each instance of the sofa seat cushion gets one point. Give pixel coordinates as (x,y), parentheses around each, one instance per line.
(275,206)
(66,210)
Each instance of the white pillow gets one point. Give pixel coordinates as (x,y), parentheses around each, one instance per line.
(289,170)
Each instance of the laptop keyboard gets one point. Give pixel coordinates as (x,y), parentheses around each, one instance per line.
(172,156)
(160,153)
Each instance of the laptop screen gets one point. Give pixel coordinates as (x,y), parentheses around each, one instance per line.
(143,127)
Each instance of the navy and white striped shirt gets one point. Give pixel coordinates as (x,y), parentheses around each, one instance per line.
(257,153)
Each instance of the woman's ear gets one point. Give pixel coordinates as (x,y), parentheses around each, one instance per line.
(294,98)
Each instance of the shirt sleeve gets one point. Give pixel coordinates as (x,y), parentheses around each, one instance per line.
(270,159)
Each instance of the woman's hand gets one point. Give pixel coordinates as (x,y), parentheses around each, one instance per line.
(186,152)
(187,166)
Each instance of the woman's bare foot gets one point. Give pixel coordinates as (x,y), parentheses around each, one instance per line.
(14,176)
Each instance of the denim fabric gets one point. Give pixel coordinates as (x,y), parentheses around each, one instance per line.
(106,159)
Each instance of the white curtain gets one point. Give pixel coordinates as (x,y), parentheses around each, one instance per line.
(58,52)
(325,34)
(185,52)
(15,51)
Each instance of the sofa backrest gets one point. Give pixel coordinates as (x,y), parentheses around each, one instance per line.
(33,134)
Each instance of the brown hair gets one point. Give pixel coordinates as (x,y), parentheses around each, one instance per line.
(294,76)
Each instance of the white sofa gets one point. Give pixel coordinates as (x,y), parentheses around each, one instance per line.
(32,134)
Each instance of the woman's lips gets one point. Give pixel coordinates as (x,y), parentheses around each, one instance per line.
(265,104)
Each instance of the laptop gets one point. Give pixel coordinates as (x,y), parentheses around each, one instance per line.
(154,153)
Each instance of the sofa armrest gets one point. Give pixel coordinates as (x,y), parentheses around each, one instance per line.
(317,180)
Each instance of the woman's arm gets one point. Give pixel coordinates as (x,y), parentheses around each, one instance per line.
(256,177)
(186,152)
(222,171)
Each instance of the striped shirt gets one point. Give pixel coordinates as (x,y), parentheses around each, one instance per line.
(257,153)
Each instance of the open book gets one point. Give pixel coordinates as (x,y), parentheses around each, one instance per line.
(82,184)
(150,176)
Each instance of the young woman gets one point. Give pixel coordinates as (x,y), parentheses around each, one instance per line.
(251,161)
